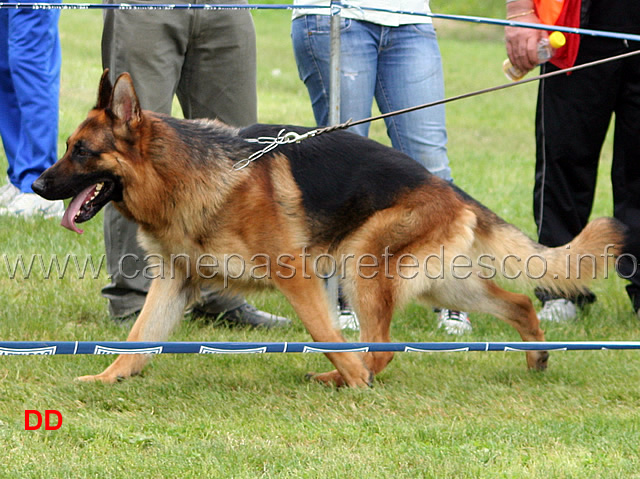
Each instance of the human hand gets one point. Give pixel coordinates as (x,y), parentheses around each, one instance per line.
(522,43)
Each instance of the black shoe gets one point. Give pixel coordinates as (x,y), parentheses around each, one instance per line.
(248,315)
(126,319)
(581,299)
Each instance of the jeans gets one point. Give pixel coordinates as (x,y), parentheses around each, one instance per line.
(399,66)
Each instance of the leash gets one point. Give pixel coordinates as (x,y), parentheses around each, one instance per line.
(292,137)
(283,138)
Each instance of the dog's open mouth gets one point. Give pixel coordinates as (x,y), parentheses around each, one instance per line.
(86,204)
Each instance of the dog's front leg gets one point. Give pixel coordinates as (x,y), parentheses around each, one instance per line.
(308,298)
(163,309)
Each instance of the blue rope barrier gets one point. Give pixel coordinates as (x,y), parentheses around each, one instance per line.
(154,6)
(334,7)
(23,348)
(511,23)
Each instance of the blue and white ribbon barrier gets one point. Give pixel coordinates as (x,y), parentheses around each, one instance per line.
(132,347)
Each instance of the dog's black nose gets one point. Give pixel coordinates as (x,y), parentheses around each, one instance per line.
(39,186)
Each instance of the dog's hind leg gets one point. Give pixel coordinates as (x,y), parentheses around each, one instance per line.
(516,309)
(163,309)
(309,299)
(374,303)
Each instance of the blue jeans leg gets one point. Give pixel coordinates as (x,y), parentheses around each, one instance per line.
(311,45)
(400,66)
(410,74)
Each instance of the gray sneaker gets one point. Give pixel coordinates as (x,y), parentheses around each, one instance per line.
(558,310)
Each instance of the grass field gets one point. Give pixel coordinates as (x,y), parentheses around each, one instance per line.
(432,415)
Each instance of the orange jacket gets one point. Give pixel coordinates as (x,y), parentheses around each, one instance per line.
(565,13)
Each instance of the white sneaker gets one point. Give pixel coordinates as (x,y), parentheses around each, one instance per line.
(30,204)
(7,193)
(558,310)
(347,319)
(454,322)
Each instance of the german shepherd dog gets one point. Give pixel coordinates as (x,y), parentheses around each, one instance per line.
(336,203)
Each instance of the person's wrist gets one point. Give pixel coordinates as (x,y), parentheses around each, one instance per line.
(521,14)
(519,8)
(519,4)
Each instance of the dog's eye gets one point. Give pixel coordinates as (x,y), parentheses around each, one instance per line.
(80,151)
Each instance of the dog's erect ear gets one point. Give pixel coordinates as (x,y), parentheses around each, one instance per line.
(104,91)
(124,102)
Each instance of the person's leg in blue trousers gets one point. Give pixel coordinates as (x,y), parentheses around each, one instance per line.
(410,74)
(400,66)
(311,45)
(30,60)
(10,117)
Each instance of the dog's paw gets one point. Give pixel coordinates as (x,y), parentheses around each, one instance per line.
(334,378)
(103,378)
(538,360)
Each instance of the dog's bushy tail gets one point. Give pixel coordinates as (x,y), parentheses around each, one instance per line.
(566,269)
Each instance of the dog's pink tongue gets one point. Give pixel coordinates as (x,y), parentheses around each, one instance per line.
(68,220)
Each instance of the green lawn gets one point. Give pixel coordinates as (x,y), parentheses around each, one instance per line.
(249,416)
